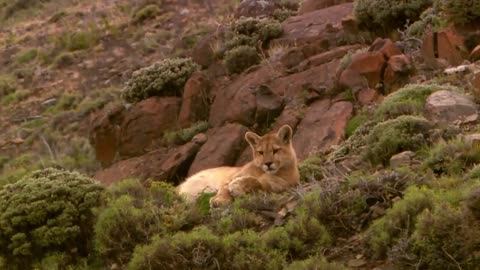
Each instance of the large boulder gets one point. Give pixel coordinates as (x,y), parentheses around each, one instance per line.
(448,46)
(221,149)
(450,107)
(247,100)
(146,121)
(323,126)
(195,99)
(256,8)
(162,165)
(104,134)
(324,24)
(313,5)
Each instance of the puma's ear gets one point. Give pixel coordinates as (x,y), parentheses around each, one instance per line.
(252,139)
(285,134)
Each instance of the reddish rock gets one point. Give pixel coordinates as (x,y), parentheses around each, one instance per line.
(399,68)
(292,57)
(161,165)
(449,44)
(312,5)
(369,65)
(256,8)
(475,81)
(247,100)
(221,149)
(105,133)
(367,96)
(146,121)
(325,57)
(475,54)
(323,126)
(353,80)
(195,99)
(450,107)
(321,24)
(202,53)
(320,79)
(385,46)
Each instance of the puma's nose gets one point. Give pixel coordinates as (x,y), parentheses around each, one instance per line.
(268,164)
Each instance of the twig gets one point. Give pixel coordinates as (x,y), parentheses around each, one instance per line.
(453,259)
(52,155)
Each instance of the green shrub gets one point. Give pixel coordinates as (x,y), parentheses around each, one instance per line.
(8,85)
(452,158)
(77,40)
(27,56)
(395,136)
(198,249)
(45,212)
(461,11)
(146,13)
(135,213)
(164,78)
(398,220)
(388,15)
(251,31)
(310,169)
(409,100)
(240,58)
(64,59)
(354,123)
(446,238)
(314,263)
(185,135)
(429,19)
(247,250)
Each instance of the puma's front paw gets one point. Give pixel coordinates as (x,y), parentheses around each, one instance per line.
(217,201)
(242,185)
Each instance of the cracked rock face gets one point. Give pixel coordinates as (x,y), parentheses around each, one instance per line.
(450,107)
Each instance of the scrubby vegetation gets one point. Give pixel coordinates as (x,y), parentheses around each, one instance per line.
(243,40)
(47,212)
(461,12)
(164,78)
(396,135)
(388,15)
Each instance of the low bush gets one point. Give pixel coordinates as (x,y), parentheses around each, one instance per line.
(461,11)
(164,78)
(408,100)
(452,158)
(135,213)
(398,220)
(396,135)
(46,212)
(388,15)
(240,58)
(146,13)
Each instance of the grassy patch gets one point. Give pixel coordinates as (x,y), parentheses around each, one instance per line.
(185,135)
(27,56)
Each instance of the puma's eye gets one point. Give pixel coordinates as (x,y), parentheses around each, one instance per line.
(260,152)
(275,151)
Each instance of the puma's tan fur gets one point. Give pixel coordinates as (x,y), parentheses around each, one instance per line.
(273,168)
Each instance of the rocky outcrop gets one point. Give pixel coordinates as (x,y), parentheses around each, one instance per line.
(105,134)
(146,121)
(247,100)
(450,108)
(221,149)
(382,67)
(256,8)
(160,165)
(312,5)
(195,99)
(315,27)
(445,44)
(323,126)
(475,54)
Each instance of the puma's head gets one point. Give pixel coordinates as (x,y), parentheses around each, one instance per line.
(271,152)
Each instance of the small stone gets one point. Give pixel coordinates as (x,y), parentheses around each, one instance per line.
(355,263)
